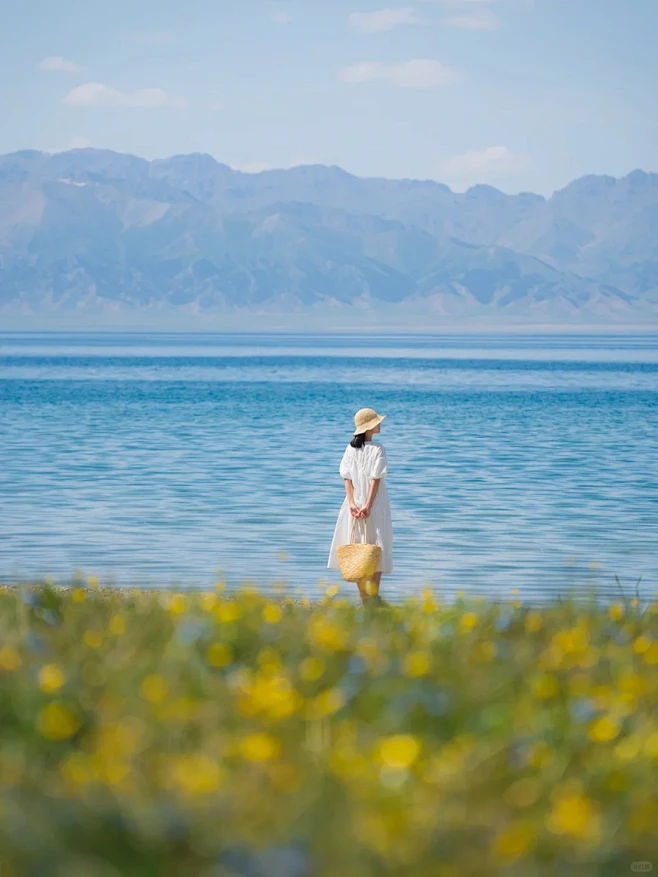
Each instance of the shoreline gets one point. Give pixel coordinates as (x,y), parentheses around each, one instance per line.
(467,329)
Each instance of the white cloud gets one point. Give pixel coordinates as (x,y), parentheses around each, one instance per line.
(419,73)
(257,167)
(479,19)
(252,167)
(94,94)
(382,19)
(280,16)
(57,63)
(478,165)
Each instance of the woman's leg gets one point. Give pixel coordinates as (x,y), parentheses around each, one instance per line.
(375,582)
(369,589)
(362,585)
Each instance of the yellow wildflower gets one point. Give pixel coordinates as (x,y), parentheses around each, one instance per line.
(117,740)
(515,840)
(272,614)
(78,769)
(430,605)
(272,696)
(376,661)
(51,678)
(533,622)
(219,655)
(603,697)
(539,754)
(326,634)
(311,669)
(117,625)
(651,654)
(112,773)
(325,704)
(631,687)
(570,641)
(486,651)
(628,748)
(209,602)
(177,604)
(399,751)
(196,774)
(545,687)
(347,762)
(574,815)
(468,621)
(416,664)
(260,747)
(93,639)
(616,612)
(270,661)
(641,645)
(79,595)
(57,721)
(154,688)
(228,612)
(603,730)
(9,659)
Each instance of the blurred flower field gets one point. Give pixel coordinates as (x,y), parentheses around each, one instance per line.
(251,735)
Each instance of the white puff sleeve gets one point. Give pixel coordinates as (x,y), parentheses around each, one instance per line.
(346,463)
(378,465)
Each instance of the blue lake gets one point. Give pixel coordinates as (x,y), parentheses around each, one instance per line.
(518,461)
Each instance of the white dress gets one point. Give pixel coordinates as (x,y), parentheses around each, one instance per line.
(361,465)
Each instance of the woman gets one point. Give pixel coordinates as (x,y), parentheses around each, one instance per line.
(363,469)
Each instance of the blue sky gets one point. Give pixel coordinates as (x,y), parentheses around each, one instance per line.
(520,94)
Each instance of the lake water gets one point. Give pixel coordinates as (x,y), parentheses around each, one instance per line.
(522,461)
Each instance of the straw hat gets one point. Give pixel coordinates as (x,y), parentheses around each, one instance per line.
(366,419)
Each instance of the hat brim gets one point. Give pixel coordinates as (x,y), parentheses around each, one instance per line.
(370,425)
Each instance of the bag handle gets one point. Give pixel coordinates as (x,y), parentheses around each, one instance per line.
(365,530)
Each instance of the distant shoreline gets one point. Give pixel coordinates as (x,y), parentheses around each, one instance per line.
(199,327)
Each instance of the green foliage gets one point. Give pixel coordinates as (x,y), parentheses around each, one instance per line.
(203,734)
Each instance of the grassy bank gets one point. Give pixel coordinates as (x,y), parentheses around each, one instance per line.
(251,736)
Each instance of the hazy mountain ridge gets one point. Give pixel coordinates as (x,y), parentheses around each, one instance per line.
(100,231)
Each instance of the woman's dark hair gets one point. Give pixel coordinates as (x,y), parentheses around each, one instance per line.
(359,440)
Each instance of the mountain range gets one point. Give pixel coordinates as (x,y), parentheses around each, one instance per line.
(98,233)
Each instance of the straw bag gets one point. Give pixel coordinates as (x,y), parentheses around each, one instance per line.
(358,560)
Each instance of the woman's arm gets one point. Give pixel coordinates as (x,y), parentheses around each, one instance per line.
(372,493)
(349,490)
